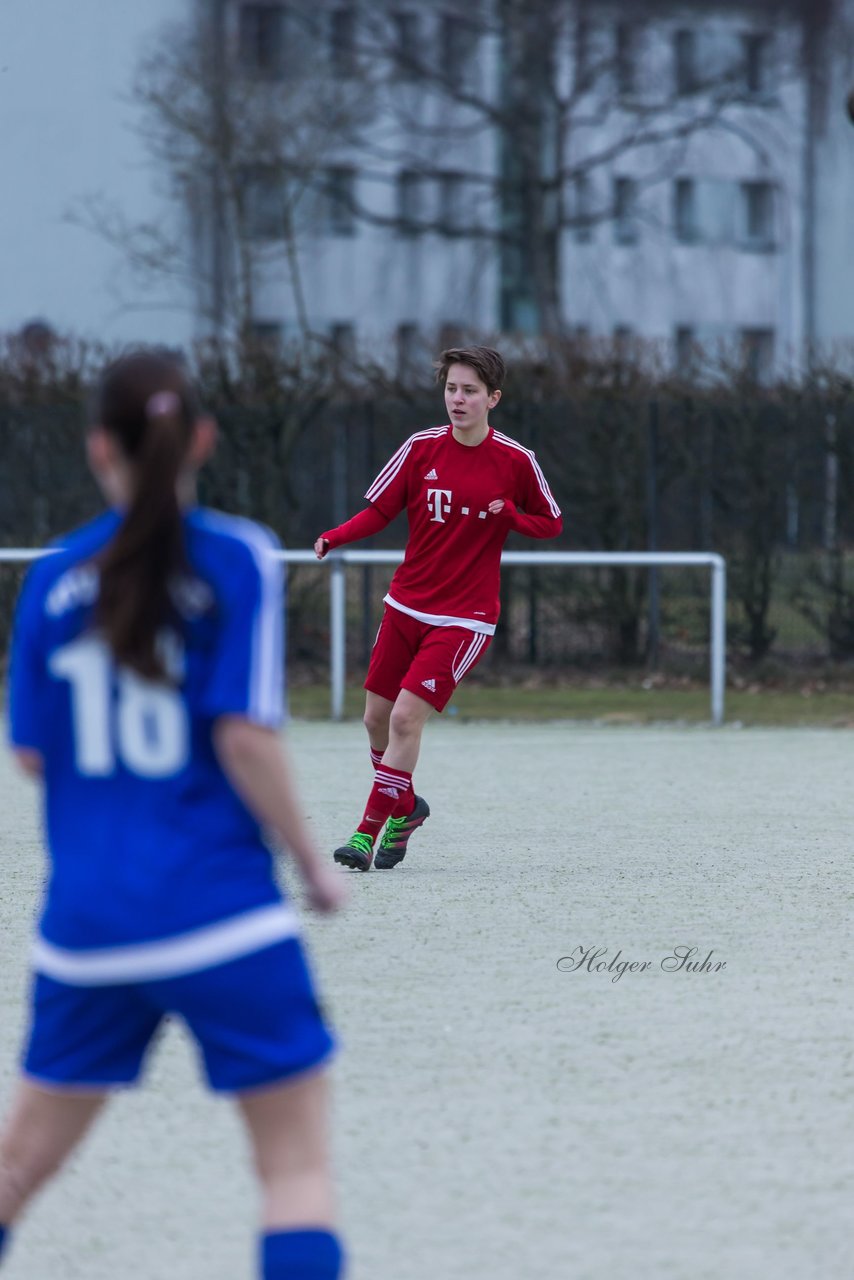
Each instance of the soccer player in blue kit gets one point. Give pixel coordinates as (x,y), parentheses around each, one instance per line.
(146,692)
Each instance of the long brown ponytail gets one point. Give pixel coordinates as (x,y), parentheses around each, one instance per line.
(146,402)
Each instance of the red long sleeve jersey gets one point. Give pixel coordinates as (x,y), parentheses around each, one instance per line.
(450,574)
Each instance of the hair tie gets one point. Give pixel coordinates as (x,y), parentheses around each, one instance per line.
(163,404)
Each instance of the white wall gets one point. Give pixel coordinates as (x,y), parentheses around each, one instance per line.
(68,133)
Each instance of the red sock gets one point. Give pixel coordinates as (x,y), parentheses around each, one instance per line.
(406,803)
(389,789)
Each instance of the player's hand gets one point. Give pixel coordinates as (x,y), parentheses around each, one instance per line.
(505,507)
(325,889)
(321,547)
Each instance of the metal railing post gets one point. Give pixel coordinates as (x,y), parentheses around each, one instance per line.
(718,639)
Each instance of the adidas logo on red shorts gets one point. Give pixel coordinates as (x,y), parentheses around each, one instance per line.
(429,684)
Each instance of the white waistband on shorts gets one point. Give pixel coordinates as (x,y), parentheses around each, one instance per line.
(169,957)
(442,620)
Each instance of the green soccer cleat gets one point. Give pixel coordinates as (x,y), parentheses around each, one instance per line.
(392,849)
(357,852)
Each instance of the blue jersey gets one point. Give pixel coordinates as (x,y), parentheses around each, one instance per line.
(157,866)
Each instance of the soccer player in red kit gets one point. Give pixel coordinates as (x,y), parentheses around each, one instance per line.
(465,487)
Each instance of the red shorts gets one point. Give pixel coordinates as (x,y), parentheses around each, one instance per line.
(428,661)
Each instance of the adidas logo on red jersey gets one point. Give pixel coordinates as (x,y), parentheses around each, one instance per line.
(431,474)
(429,684)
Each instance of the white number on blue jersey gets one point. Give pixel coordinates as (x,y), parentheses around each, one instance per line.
(147,727)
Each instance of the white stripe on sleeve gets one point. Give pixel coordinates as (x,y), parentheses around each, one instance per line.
(396,461)
(266,675)
(538,473)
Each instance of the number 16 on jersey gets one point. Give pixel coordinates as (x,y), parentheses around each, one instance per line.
(119,716)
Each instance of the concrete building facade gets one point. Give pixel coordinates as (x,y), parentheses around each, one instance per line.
(703,176)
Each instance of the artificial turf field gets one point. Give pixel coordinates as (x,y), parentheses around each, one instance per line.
(498,1116)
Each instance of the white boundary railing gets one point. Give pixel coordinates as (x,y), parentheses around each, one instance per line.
(337,562)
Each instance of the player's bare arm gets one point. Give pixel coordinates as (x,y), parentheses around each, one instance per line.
(258,768)
(29,762)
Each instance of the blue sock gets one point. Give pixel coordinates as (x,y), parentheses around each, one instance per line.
(3,1234)
(301,1255)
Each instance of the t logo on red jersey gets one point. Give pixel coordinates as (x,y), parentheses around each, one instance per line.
(436,501)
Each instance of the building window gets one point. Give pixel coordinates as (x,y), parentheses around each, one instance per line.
(451,219)
(757,353)
(625,58)
(263,197)
(758,216)
(583,76)
(717,210)
(261,39)
(685,62)
(623,343)
(625,210)
(342,41)
(267,336)
(340,202)
(579,340)
(451,334)
(455,47)
(582,208)
(406,47)
(410,205)
(685,351)
(685,210)
(409,351)
(342,338)
(756,48)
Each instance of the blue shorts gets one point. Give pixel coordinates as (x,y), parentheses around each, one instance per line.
(255,1020)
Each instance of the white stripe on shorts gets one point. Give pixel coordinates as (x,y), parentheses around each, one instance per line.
(468,657)
(168,957)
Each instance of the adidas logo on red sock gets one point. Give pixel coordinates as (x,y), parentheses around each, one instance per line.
(390,791)
(429,684)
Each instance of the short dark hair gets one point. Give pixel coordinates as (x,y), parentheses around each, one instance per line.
(487,363)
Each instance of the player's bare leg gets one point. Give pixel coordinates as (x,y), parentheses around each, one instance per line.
(288,1130)
(406,726)
(42,1129)
(409,714)
(287,1126)
(376,720)
(392,790)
